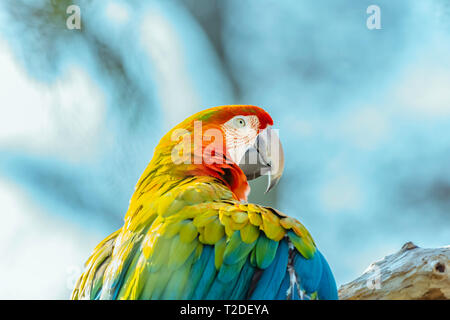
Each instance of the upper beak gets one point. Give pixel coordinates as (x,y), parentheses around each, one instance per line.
(265,157)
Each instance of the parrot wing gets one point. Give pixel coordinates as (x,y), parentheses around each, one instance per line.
(89,284)
(209,250)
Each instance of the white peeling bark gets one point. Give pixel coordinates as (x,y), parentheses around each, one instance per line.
(411,273)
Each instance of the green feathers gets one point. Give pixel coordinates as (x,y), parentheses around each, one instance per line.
(194,242)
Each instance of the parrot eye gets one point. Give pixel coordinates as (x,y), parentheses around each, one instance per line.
(239,122)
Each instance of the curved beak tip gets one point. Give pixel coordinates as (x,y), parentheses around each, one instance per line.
(272,181)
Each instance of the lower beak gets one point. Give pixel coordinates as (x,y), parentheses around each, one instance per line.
(265,157)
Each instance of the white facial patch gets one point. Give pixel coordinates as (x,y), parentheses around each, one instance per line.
(240,134)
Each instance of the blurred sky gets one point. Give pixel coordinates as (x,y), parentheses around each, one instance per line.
(364,117)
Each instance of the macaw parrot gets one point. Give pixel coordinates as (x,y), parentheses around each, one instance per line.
(189,232)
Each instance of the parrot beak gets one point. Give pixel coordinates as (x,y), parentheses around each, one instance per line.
(264,157)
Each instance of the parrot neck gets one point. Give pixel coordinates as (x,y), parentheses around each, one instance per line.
(162,174)
(229,175)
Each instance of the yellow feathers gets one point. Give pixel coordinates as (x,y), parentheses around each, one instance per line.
(163,238)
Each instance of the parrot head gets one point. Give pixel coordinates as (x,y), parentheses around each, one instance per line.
(231,143)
